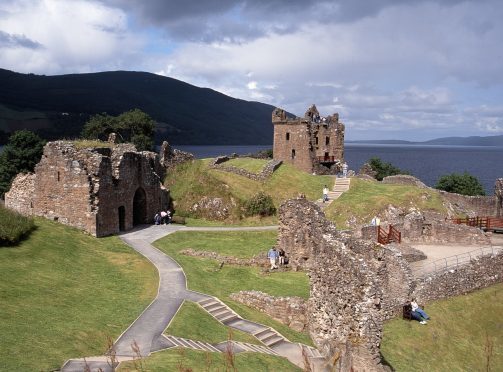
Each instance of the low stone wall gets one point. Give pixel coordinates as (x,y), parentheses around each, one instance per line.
(403,179)
(480,273)
(265,173)
(290,311)
(258,260)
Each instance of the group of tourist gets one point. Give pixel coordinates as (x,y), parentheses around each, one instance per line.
(276,257)
(163,217)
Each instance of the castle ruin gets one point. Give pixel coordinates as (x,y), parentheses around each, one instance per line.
(313,144)
(102,190)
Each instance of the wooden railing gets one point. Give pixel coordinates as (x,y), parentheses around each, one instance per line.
(483,223)
(393,235)
(326,159)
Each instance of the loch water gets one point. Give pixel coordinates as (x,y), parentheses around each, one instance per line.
(427,163)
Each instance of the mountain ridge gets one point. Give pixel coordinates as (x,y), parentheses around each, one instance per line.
(58,106)
(448,141)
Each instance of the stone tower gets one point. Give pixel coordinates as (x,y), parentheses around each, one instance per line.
(314,144)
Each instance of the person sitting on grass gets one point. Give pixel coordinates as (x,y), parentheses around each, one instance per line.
(417,312)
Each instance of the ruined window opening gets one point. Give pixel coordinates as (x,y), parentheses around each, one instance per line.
(316,140)
(293,154)
(58,176)
(327,140)
(288,136)
(327,156)
(139,207)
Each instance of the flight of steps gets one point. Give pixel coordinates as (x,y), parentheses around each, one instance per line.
(254,348)
(311,352)
(219,310)
(341,186)
(191,344)
(269,337)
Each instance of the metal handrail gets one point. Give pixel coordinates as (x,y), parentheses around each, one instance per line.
(447,263)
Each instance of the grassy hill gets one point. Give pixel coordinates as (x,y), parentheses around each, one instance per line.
(63,292)
(192,181)
(58,106)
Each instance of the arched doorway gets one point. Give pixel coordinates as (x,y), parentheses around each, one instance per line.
(139,207)
(122,218)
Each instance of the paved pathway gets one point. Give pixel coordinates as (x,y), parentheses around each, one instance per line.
(147,330)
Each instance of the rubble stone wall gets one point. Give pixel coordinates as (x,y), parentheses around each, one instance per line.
(20,196)
(99,190)
(290,311)
(265,173)
(480,273)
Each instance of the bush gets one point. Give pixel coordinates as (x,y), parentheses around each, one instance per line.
(384,169)
(464,184)
(260,204)
(13,226)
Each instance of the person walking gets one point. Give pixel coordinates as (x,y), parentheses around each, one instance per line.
(281,255)
(344,169)
(325,194)
(273,256)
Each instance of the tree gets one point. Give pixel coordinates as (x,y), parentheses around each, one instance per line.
(464,184)
(384,169)
(132,126)
(22,152)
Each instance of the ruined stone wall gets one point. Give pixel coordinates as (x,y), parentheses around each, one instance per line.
(480,273)
(403,179)
(301,226)
(20,195)
(86,187)
(302,141)
(292,144)
(290,311)
(471,205)
(264,174)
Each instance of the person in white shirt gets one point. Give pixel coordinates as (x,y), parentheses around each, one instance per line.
(325,194)
(415,308)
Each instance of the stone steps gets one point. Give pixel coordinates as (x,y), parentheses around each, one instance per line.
(255,348)
(218,310)
(341,186)
(192,344)
(311,352)
(269,337)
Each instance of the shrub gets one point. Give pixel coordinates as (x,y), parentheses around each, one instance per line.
(260,204)
(13,226)
(464,184)
(384,169)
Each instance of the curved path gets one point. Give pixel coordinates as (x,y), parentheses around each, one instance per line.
(147,330)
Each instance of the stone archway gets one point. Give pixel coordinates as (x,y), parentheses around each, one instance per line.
(139,207)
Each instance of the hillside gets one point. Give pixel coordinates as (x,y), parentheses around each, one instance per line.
(445,141)
(58,106)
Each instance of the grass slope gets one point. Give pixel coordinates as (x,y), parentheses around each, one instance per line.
(191,360)
(63,292)
(365,199)
(454,340)
(203,274)
(190,182)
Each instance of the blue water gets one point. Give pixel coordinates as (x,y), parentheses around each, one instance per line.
(427,163)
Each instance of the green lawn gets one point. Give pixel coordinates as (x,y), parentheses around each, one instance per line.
(62,292)
(454,340)
(191,360)
(204,276)
(366,198)
(250,164)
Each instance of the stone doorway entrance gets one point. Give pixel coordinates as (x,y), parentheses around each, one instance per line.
(122,218)
(139,207)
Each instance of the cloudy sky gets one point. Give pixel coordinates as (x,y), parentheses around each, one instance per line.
(394,69)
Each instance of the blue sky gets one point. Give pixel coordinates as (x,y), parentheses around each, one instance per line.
(393,69)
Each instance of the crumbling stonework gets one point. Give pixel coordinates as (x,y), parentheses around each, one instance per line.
(404,179)
(481,272)
(290,311)
(264,174)
(170,157)
(258,260)
(100,190)
(498,191)
(355,284)
(367,172)
(313,144)
(302,225)
(213,208)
